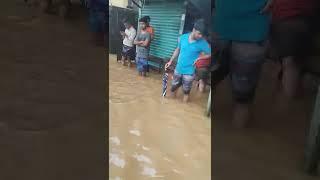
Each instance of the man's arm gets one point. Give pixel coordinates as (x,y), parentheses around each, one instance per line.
(132,35)
(207,52)
(174,55)
(122,34)
(207,56)
(176,52)
(136,42)
(146,42)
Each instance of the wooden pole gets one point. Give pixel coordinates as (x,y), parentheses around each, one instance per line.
(208,111)
(312,152)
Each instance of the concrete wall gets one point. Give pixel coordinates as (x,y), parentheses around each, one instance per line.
(119,3)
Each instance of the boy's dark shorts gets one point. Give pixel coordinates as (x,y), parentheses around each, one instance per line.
(183,80)
(202,73)
(128,51)
(243,61)
(291,37)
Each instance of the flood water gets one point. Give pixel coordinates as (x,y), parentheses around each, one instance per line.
(152,137)
(273,146)
(52,115)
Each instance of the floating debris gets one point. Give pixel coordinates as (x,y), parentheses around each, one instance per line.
(147,171)
(167,159)
(116,178)
(135,132)
(145,148)
(142,158)
(176,171)
(114,159)
(115,140)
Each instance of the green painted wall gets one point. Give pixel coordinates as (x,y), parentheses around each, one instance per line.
(166,18)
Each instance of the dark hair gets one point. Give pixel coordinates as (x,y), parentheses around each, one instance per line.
(126,20)
(143,19)
(200,25)
(148,18)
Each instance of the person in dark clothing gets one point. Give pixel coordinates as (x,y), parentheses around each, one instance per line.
(241,31)
(98,20)
(291,39)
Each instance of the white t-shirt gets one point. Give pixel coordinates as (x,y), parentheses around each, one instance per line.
(128,40)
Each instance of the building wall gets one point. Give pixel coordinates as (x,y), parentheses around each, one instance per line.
(167,18)
(119,3)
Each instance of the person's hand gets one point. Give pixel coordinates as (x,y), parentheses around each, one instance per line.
(122,33)
(267,7)
(167,65)
(196,61)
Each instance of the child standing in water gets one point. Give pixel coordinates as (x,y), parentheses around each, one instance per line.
(142,42)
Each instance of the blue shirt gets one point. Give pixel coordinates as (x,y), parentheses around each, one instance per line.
(241,20)
(189,53)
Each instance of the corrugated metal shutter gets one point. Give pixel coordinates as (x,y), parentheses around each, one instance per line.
(166,18)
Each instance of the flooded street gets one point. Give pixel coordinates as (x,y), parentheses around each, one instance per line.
(53,123)
(152,137)
(52,87)
(273,147)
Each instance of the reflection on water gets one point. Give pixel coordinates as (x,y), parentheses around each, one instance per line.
(152,137)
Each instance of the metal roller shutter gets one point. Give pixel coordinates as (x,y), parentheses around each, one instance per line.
(167,20)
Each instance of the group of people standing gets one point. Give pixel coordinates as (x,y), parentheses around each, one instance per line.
(192,50)
(139,41)
(244,31)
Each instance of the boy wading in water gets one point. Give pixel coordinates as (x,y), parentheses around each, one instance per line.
(190,46)
(128,37)
(142,43)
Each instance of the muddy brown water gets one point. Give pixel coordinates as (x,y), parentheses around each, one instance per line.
(47,65)
(152,137)
(52,80)
(273,147)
